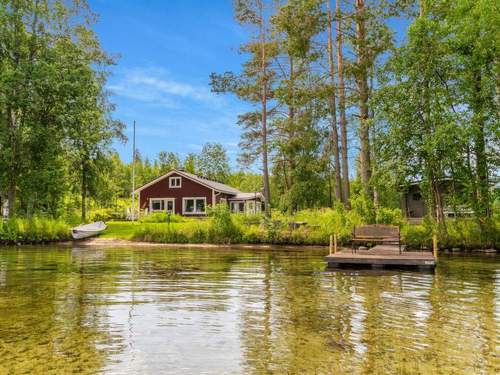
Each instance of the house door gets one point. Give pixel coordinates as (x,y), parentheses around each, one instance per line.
(170,205)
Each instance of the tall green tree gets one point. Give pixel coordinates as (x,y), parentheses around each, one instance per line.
(422,137)
(51,97)
(255,85)
(475,52)
(168,161)
(190,163)
(342,104)
(300,96)
(213,162)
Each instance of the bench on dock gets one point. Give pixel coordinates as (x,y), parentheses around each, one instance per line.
(376,233)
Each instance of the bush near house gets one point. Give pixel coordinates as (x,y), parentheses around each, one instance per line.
(162,217)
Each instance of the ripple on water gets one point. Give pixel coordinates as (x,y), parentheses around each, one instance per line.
(197,311)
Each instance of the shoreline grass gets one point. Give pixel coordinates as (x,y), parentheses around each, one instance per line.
(35,230)
(414,236)
(222,227)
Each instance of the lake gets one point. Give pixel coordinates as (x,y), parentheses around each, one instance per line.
(227,311)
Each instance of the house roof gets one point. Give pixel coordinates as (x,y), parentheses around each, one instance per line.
(246,196)
(217,186)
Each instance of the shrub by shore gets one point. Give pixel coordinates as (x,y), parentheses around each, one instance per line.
(36,230)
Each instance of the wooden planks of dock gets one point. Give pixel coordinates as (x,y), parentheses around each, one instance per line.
(382,256)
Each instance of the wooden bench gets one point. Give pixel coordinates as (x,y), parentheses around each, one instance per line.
(377,233)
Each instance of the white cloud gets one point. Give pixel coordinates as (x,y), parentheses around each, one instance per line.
(156,88)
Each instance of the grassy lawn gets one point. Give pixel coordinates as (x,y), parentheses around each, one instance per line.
(125,229)
(239,229)
(120,229)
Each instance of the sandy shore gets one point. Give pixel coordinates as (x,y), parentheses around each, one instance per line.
(115,242)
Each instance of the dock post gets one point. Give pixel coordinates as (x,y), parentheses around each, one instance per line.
(331,244)
(334,243)
(435,246)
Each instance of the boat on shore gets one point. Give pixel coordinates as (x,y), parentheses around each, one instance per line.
(88,230)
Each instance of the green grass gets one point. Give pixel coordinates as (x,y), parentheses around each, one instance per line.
(224,228)
(120,229)
(126,230)
(35,230)
(221,228)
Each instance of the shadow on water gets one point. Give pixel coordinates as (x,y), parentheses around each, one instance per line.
(217,311)
(367,270)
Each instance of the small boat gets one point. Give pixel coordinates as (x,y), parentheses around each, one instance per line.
(88,230)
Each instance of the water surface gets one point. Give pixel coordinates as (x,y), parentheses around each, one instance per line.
(206,311)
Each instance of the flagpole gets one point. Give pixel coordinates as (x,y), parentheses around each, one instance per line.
(133,176)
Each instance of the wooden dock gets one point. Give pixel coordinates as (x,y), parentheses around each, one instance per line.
(382,256)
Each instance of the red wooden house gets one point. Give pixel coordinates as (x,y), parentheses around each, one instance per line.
(187,194)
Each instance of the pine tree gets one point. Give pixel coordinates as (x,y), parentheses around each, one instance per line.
(254,84)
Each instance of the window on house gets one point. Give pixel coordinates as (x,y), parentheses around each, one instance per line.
(162,204)
(194,206)
(174,182)
(157,205)
(238,206)
(417,196)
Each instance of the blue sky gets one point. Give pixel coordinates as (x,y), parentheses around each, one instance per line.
(167,51)
(168,48)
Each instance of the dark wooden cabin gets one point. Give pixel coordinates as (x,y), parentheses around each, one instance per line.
(187,194)
(414,206)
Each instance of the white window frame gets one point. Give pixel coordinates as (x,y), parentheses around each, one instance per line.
(174,178)
(194,199)
(165,200)
(237,203)
(250,207)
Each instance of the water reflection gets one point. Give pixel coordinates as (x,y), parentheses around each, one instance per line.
(233,311)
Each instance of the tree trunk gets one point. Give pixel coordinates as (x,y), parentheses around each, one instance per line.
(14,160)
(432,167)
(333,109)
(265,164)
(11,198)
(362,85)
(343,118)
(438,204)
(84,192)
(482,192)
(291,120)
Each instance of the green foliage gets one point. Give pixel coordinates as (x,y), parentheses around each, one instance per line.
(361,204)
(168,161)
(55,123)
(432,105)
(245,181)
(35,230)
(389,216)
(417,236)
(107,214)
(225,228)
(213,162)
(162,217)
(222,228)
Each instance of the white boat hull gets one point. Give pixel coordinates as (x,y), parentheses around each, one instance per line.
(88,230)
